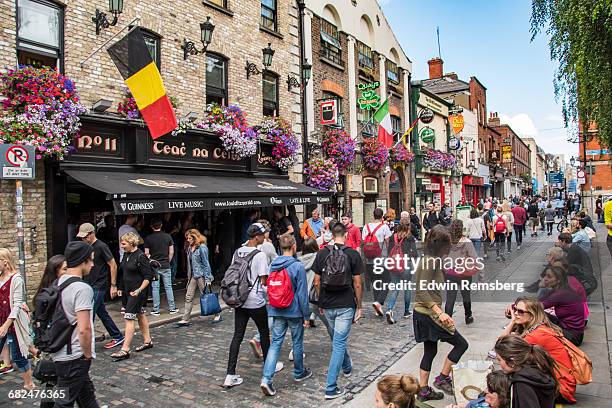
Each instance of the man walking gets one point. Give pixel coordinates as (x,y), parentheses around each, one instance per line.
(287,281)
(375,236)
(104,266)
(312,226)
(159,247)
(340,294)
(353,235)
(73,361)
(431,218)
(520,217)
(533,212)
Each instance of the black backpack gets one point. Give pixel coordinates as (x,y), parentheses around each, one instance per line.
(336,274)
(235,286)
(52,330)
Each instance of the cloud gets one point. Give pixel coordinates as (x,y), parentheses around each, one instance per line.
(553,118)
(521,124)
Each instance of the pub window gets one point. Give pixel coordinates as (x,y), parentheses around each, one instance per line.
(220,3)
(216,79)
(40,33)
(152,42)
(270,94)
(396,125)
(365,123)
(365,56)
(392,72)
(331,48)
(328,96)
(268,14)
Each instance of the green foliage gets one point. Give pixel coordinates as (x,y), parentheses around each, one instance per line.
(581,42)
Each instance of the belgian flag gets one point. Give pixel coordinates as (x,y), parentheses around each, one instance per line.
(140,73)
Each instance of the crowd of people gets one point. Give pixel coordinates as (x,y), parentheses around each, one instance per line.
(286,277)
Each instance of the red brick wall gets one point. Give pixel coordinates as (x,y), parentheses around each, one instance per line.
(602,177)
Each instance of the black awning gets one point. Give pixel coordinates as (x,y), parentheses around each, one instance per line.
(156,193)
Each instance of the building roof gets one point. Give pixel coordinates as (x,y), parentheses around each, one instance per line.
(445,85)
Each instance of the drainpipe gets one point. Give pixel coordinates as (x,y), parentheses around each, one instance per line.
(301,6)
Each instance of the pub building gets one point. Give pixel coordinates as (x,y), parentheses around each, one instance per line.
(188,180)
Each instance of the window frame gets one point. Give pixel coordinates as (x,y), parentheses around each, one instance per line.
(21,44)
(397,132)
(365,116)
(146,33)
(362,47)
(225,91)
(329,50)
(276,77)
(274,18)
(391,64)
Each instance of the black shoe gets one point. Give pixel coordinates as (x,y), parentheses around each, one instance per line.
(305,375)
(469,319)
(429,394)
(338,392)
(312,323)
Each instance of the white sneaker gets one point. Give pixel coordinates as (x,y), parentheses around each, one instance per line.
(377,309)
(232,381)
(279,366)
(389,316)
(291,355)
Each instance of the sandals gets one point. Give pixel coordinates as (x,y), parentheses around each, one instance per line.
(144,346)
(120,355)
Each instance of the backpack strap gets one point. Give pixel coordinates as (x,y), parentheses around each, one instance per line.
(375,229)
(63,286)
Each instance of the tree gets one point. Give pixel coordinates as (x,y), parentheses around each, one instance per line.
(581,42)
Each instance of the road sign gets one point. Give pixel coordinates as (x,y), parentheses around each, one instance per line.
(17,161)
(580,174)
(555,178)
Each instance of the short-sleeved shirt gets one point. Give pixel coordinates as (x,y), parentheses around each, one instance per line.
(259,267)
(99,275)
(608,215)
(158,243)
(338,299)
(76,297)
(383,233)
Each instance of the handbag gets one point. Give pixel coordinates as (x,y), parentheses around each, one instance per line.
(209,302)
(313,296)
(45,372)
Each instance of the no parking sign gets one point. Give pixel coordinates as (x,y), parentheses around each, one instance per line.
(17,161)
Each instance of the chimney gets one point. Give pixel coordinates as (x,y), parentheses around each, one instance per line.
(494,119)
(452,75)
(435,68)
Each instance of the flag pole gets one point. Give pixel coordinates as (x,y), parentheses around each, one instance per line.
(131,28)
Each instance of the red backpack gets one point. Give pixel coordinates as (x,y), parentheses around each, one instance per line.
(280,289)
(371,246)
(396,251)
(500,224)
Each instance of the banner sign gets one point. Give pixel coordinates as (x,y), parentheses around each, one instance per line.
(427,135)
(506,154)
(457,122)
(369,98)
(426,115)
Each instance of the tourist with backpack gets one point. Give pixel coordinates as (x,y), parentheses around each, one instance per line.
(14,320)
(375,236)
(402,244)
(288,306)
(137,275)
(337,283)
(500,228)
(243,288)
(64,327)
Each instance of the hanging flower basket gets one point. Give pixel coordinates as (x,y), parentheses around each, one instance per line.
(400,156)
(285,143)
(436,159)
(375,154)
(41,109)
(230,124)
(340,147)
(321,174)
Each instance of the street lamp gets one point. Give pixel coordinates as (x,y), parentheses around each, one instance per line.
(206,32)
(115,7)
(573,161)
(292,82)
(268,53)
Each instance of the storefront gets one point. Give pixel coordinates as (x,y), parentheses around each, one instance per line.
(189,180)
(472,189)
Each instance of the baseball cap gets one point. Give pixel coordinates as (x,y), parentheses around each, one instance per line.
(256,229)
(85,229)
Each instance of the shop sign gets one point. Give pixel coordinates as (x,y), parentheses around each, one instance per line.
(457,122)
(455,109)
(329,112)
(597,152)
(433,187)
(427,135)
(426,115)
(493,155)
(433,104)
(506,154)
(369,98)
(454,143)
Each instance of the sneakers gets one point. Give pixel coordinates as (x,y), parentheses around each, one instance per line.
(217,318)
(347,374)
(377,308)
(154,313)
(175,311)
(232,381)
(305,375)
(256,347)
(389,317)
(267,389)
(113,343)
(407,315)
(444,383)
(338,392)
(291,355)
(183,323)
(518,247)
(279,366)
(469,319)
(429,394)
(5,369)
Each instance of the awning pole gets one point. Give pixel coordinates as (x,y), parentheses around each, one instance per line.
(110,39)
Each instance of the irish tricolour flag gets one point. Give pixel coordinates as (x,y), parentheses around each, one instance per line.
(385,130)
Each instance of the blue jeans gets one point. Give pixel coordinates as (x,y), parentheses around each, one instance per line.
(397,278)
(278,331)
(347,364)
(477,245)
(100,311)
(22,363)
(166,276)
(340,320)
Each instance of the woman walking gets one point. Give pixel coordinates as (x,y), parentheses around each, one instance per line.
(137,275)
(402,240)
(14,320)
(475,227)
(199,272)
(56,267)
(510,221)
(431,323)
(549,216)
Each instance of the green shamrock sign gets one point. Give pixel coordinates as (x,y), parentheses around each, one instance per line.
(369,100)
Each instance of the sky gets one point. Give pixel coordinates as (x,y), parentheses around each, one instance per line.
(489,39)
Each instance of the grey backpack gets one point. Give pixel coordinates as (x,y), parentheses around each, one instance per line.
(235,286)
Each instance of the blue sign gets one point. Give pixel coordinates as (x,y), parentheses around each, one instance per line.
(596,152)
(555,178)
(534,183)
(572,186)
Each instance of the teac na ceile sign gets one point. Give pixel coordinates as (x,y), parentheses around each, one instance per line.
(18,162)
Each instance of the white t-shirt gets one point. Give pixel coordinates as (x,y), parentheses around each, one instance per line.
(259,267)
(76,297)
(268,249)
(383,232)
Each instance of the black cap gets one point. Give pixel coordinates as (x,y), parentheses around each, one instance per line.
(77,252)
(256,229)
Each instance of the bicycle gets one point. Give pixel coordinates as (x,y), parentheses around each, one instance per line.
(563,223)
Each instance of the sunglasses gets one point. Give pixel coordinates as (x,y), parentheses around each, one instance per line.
(518,311)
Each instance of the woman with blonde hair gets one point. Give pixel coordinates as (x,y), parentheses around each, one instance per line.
(137,275)
(199,272)
(507,212)
(397,391)
(14,320)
